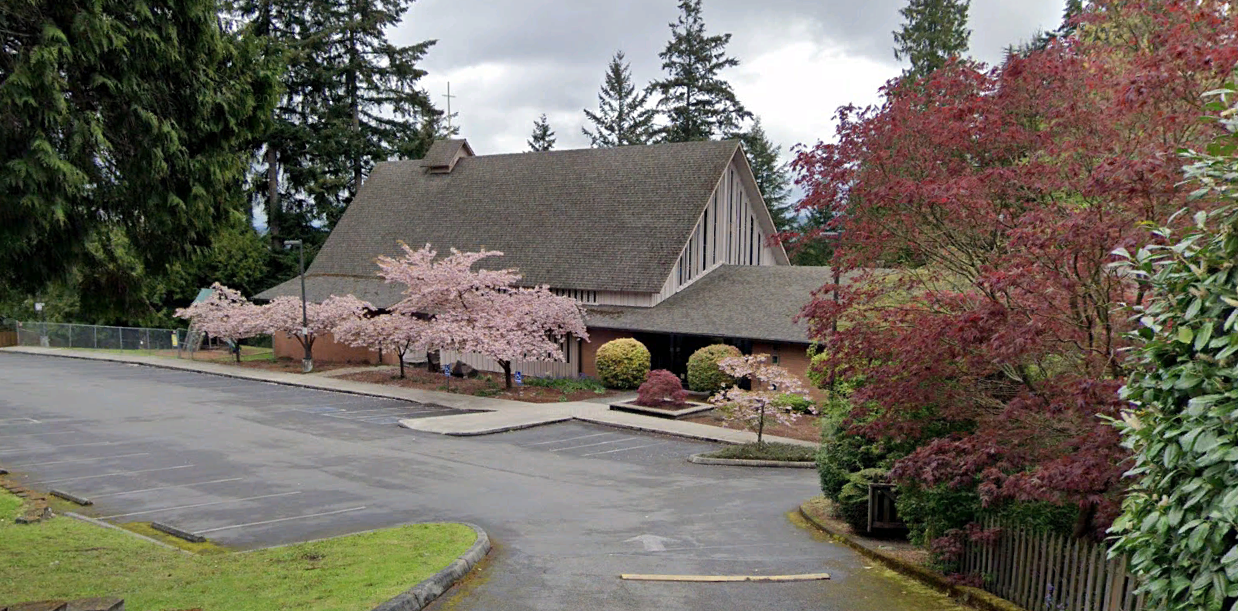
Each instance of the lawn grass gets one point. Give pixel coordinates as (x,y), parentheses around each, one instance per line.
(765,451)
(66,558)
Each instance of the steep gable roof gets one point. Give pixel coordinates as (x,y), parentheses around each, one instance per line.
(601,219)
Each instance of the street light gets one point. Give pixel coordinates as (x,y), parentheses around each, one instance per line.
(307,363)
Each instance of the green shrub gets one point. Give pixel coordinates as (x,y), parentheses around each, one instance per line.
(798,404)
(842,453)
(622,363)
(816,371)
(764,451)
(852,504)
(930,512)
(567,385)
(703,372)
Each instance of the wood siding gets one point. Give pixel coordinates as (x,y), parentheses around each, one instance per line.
(732,230)
(538,369)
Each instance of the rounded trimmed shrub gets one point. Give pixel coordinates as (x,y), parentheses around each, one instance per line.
(703,372)
(622,363)
(661,389)
(798,404)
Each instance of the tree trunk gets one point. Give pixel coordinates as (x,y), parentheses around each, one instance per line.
(507,373)
(761,425)
(401,365)
(273,195)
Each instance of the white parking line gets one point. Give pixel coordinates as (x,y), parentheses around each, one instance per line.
(38,434)
(18,421)
(146,511)
(312,515)
(74,479)
(61,462)
(624,449)
(213,481)
(542,443)
(590,445)
(73,445)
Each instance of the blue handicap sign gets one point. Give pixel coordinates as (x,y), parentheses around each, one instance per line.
(447,370)
(519,379)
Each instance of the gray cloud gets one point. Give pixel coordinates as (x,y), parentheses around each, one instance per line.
(511,61)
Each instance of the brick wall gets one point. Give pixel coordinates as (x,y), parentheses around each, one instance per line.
(327,350)
(589,350)
(794,358)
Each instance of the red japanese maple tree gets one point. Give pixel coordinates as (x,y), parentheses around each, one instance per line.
(977,211)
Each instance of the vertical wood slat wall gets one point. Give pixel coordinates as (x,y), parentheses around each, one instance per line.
(1051,572)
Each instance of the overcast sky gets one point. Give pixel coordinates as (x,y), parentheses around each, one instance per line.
(509,61)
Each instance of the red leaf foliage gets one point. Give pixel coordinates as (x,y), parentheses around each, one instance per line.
(978,210)
(661,389)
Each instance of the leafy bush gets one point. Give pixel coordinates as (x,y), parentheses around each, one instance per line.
(795,403)
(842,452)
(1180,519)
(622,363)
(764,451)
(852,504)
(567,385)
(661,389)
(931,512)
(817,373)
(703,372)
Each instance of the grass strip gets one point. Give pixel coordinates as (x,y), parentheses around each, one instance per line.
(66,558)
(765,451)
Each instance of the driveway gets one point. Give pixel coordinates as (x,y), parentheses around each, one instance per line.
(569,506)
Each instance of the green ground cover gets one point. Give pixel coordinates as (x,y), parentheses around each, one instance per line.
(766,451)
(66,558)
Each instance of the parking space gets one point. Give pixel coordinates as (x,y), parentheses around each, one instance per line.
(602,442)
(153,477)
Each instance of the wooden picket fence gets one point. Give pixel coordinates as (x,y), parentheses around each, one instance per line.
(1050,572)
(7,338)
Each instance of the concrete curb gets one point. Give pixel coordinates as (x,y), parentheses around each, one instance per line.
(242,375)
(972,597)
(504,429)
(701,459)
(101,523)
(422,594)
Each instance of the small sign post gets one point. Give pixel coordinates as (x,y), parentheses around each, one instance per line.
(447,372)
(519,379)
(38,307)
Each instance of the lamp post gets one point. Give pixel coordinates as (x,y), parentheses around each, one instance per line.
(307,363)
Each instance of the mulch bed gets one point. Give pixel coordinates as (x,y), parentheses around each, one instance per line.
(484,385)
(806,428)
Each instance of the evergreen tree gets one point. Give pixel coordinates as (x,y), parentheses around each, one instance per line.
(1041,40)
(622,117)
(367,98)
(543,138)
(933,31)
(121,127)
(772,177)
(696,102)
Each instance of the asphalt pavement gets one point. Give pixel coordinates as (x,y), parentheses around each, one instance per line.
(569,506)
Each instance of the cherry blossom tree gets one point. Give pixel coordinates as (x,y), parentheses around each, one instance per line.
(482,311)
(399,333)
(751,408)
(226,314)
(284,315)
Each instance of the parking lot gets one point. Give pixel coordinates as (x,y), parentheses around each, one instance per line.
(570,506)
(147,479)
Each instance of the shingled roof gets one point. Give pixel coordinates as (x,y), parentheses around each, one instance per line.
(733,301)
(596,219)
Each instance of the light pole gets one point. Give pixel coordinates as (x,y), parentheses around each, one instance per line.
(307,364)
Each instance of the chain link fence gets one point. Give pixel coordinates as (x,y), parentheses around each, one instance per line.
(68,335)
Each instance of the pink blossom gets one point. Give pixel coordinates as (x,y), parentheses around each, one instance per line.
(751,408)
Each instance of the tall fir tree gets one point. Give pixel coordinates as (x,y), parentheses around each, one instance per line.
(933,32)
(543,138)
(371,103)
(121,127)
(773,178)
(695,102)
(623,116)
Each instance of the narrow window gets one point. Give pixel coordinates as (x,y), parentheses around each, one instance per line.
(715,227)
(705,236)
(750,241)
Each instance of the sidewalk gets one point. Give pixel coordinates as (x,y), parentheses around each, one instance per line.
(492,415)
